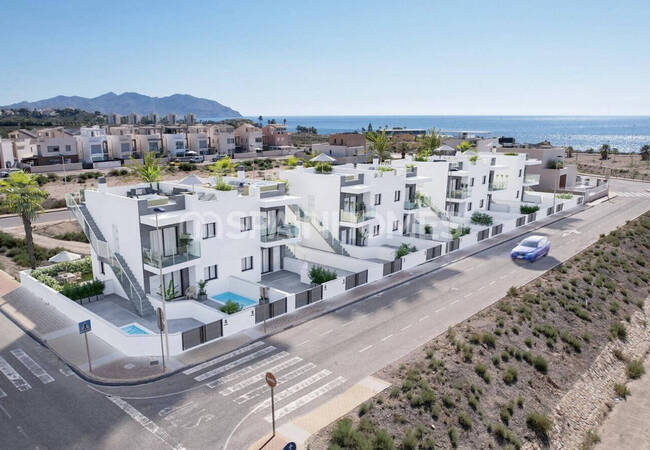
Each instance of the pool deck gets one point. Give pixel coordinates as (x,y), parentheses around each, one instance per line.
(284,281)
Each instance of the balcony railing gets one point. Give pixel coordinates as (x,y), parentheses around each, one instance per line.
(531,179)
(417,203)
(183,254)
(357,216)
(498,186)
(459,193)
(282,232)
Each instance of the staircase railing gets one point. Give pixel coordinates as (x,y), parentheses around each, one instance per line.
(307,216)
(104,252)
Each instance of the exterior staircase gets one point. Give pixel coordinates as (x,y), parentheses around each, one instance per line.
(121,269)
(311,220)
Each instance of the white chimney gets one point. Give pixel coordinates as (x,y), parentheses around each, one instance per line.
(375,161)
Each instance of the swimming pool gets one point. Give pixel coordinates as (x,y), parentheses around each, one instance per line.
(134,329)
(244,302)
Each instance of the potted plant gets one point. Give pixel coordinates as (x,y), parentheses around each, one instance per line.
(428,229)
(202,294)
(185,239)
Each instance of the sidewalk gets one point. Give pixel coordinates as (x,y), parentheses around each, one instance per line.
(112,367)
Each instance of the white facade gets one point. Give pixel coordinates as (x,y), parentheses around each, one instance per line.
(174,144)
(248,138)
(121,142)
(92,144)
(222,138)
(53,144)
(147,139)
(198,139)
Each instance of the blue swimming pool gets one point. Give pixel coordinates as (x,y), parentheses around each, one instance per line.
(244,302)
(134,329)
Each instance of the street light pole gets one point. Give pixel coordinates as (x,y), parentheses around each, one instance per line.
(557,181)
(160,274)
(65,178)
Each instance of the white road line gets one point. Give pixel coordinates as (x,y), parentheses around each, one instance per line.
(438,310)
(326,333)
(365,348)
(492,282)
(281,379)
(347,323)
(423,318)
(260,376)
(385,338)
(19,382)
(3,394)
(235,363)
(222,358)
(480,289)
(246,370)
(468,295)
(32,366)
(146,423)
(303,343)
(454,302)
(406,327)
(295,388)
(288,409)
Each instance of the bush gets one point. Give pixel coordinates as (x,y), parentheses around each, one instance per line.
(540,364)
(464,421)
(528,209)
(231,307)
(618,331)
(383,441)
(510,376)
(539,423)
(453,437)
(76,236)
(459,232)
(320,275)
(404,249)
(323,167)
(83,290)
(481,371)
(363,409)
(635,369)
(480,218)
(621,390)
(409,441)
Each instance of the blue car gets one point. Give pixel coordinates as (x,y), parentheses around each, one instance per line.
(531,248)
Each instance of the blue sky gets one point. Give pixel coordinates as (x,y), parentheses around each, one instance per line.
(337,57)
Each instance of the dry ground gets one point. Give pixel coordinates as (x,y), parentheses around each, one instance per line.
(625,166)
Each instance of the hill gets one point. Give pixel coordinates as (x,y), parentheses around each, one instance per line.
(129,102)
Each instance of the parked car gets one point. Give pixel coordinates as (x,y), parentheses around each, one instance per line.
(531,248)
(192,157)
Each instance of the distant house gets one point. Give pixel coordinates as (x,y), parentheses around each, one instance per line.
(92,144)
(248,138)
(121,142)
(344,147)
(198,139)
(147,139)
(275,135)
(222,137)
(54,145)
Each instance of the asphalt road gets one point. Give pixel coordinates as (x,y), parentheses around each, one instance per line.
(50,216)
(215,403)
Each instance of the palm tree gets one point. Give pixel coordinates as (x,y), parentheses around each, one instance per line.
(464,146)
(645,152)
(403,147)
(569,152)
(379,144)
(150,168)
(604,151)
(429,143)
(23,196)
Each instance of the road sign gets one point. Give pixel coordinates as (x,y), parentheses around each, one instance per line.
(271,380)
(84,327)
(290,446)
(161,319)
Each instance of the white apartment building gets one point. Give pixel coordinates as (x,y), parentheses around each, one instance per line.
(24,145)
(248,138)
(114,119)
(56,145)
(147,139)
(134,119)
(222,138)
(121,142)
(198,139)
(174,144)
(171,119)
(190,119)
(7,158)
(92,144)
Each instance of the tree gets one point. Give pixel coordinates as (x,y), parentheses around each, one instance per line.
(464,146)
(23,196)
(369,127)
(429,143)
(150,168)
(379,144)
(403,147)
(645,152)
(604,151)
(260,119)
(569,152)
(222,167)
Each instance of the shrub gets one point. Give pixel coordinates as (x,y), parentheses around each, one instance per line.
(481,371)
(489,339)
(409,441)
(453,437)
(460,231)
(618,331)
(480,218)
(591,439)
(80,291)
(565,196)
(223,186)
(540,364)
(528,209)
(404,249)
(77,236)
(510,376)
(231,307)
(539,423)
(621,390)
(383,441)
(464,421)
(320,275)
(323,167)
(635,369)
(292,161)
(363,409)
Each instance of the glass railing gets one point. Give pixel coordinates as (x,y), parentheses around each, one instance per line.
(182,254)
(459,193)
(417,203)
(357,216)
(531,179)
(498,186)
(282,232)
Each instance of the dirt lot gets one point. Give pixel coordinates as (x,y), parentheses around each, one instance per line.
(55,229)
(496,379)
(626,166)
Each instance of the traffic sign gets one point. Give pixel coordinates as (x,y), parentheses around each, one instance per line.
(290,446)
(271,380)
(84,327)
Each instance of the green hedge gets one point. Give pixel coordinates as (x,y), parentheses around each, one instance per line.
(404,250)
(83,290)
(320,275)
(528,209)
(480,218)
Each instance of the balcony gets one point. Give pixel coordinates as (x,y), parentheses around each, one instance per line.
(182,255)
(283,232)
(531,180)
(498,186)
(417,203)
(357,216)
(459,194)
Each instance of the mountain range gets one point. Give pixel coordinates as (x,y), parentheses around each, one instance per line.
(129,102)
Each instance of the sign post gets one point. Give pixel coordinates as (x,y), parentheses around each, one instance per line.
(161,327)
(85,328)
(272,382)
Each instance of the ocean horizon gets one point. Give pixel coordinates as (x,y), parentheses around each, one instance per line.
(625,133)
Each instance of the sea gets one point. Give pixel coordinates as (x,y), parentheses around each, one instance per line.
(625,133)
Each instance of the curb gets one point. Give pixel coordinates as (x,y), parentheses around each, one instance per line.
(10,216)
(583,174)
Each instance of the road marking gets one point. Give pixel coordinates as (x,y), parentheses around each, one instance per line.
(326,333)
(406,327)
(288,409)
(3,394)
(438,310)
(5,411)
(303,343)
(423,318)
(32,366)
(347,323)
(260,376)
(282,379)
(222,358)
(468,295)
(67,371)
(365,348)
(235,363)
(246,370)
(454,302)
(295,388)
(480,289)
(385,338)
(146,423)
(492,282)
(19,382)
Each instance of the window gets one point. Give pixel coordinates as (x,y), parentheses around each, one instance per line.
(471,182)
(125,147)
(482,203)
(210,273)
(246,223)
(180,145)
(209,230)
(395,225)
(377,199)
(53,149)
(96,148)
(153,146)
(398,194)
(203,144)
(230,140)
(517,194)
(469,206)
(520,173)
(375,230)
(247,263)
(68,148)
(102,269)
(484,179)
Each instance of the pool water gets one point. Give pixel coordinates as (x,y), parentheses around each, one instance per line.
(244,302)
(135,329)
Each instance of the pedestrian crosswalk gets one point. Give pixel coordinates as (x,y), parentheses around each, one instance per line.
(29,367)
(637,194)
(240,377)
